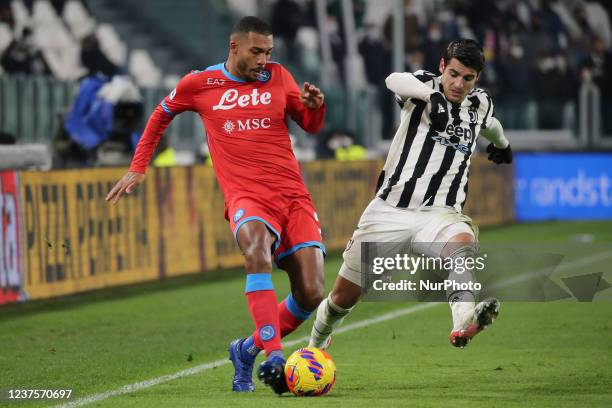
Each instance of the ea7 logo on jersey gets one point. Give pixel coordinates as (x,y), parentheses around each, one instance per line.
(457,146)
(215,81)
(230,99)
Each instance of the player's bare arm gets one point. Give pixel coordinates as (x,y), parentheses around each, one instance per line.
(126,185)
(311,96)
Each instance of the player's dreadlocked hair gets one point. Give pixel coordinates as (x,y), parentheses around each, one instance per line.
(250,24)
(468,52)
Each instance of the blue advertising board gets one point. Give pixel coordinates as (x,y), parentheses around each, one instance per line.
(563,186)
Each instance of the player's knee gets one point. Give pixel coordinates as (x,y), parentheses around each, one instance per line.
(311,296)
(258,258)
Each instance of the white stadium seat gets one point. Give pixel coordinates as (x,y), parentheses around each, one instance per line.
(6,37)
(143,69)
(43,12)
(111,44)
(78,19)
(21,16)
(243,7)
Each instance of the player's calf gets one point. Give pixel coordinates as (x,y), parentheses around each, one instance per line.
(329,317)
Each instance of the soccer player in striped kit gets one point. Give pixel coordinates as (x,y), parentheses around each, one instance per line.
(244,104)
(423,186)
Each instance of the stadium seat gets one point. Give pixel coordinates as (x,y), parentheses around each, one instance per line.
(44,13)
(111,44)
(243,7)
(6,37)
(78,19)
(60,49)
(143,69)
(307,39)
(21,16)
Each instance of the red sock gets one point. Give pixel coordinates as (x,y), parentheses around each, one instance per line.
(288,324)
(262,304)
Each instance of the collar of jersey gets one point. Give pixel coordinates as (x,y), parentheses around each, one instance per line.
(228,74)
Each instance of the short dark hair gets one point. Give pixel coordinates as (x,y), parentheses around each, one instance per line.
(468,52)
(250,24)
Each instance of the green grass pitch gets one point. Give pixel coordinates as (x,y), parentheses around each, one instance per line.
(536,355)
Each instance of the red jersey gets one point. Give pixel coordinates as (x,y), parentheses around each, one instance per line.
(246,129)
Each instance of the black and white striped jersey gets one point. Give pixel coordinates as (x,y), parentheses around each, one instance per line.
(427,168)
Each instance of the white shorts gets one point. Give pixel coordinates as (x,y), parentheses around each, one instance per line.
(382,222)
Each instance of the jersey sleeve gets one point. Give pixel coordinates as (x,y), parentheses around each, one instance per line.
(425,77)
(179,100)
(311,120)
(486,110)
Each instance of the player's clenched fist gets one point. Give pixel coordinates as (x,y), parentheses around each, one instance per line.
(311,96)
(127,184)
(439,112)
(499,156)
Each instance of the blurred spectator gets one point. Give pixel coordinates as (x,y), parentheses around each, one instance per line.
(515,78)
(103,125)
(94,60)
(554,87)
(599,66)
(436,44)
(377,60)
(285,21)
(22,56)
(6,13)
(340,145)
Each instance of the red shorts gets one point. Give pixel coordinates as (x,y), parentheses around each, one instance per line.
(295,223)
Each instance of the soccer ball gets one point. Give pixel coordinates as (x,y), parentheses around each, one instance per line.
(310,372)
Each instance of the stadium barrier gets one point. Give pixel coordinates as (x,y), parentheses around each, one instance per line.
(59,235)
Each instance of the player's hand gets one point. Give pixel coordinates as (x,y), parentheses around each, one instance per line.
(127,184)
(499,156)
(311,96)
(439,112)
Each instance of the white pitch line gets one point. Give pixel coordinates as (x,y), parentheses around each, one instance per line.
(353,326)
(214,364)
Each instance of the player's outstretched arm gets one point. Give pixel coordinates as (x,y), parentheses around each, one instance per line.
(499,150)
(127,184)
(407,86)
(179,100)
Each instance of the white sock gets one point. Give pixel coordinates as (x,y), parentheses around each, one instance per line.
(463,314)
(329,317)
(462,302)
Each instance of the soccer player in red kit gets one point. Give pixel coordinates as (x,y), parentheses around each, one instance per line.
(244,103)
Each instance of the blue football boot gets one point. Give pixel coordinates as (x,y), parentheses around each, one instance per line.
(243,367)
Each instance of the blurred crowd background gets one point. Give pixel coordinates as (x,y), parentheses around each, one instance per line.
(81,76)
